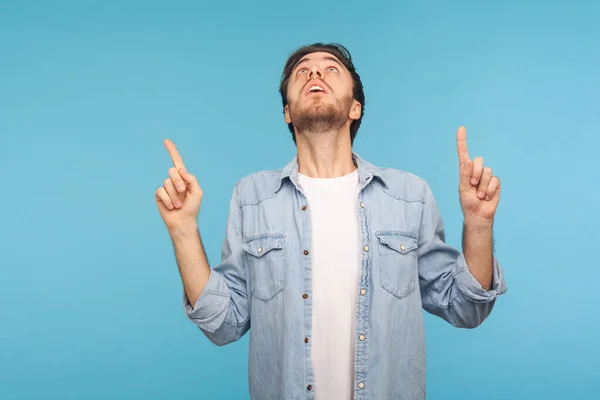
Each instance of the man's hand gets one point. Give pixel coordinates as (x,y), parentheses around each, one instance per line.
(479,190)
(179,198)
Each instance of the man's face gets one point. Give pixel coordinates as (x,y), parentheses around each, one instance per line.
(320,94)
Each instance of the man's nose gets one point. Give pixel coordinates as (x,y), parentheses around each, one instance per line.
(315,72)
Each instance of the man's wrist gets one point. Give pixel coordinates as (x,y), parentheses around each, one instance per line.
(478,224)
(184,230)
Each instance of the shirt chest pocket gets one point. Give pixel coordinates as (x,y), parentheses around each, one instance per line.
(397,262)
(265,257)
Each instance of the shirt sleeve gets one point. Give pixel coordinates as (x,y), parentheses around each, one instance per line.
(221,310)
(448,288)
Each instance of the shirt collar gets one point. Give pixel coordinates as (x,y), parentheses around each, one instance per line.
(366,172)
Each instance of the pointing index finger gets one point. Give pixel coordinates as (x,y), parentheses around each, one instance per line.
(461,145)
(175,157)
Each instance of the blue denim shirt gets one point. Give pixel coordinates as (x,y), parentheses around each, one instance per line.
(263,284)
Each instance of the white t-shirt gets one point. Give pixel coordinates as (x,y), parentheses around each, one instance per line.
(335,275)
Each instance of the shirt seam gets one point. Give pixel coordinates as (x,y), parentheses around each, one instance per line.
(386,191)
(422,212)
(215,292)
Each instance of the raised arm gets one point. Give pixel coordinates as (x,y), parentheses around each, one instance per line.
(214,299)
(178,202)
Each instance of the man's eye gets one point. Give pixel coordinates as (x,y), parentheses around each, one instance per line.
(334,69)
(301,70)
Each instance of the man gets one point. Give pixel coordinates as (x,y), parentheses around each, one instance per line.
(331,259)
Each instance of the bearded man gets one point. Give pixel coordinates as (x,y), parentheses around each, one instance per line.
(329,261)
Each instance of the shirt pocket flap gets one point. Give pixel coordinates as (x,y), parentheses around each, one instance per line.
(399,241)
(261,245)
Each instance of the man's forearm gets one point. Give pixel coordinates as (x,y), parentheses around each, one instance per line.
(478,248)
(191,260)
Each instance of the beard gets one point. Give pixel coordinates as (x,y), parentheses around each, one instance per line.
(319,117)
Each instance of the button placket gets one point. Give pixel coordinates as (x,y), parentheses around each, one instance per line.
(305,237)
(360,373)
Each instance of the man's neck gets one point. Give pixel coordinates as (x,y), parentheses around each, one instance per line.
(325,155)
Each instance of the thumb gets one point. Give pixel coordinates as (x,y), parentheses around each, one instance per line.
(466,171)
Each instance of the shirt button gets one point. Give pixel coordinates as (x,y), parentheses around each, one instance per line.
(309,387)
(305,296)
(362,205)
(259,250)
(305,252)
(363,291)
(305,340)
(361,385)
(361,337)
(303,208)
(366,248)
(402,247)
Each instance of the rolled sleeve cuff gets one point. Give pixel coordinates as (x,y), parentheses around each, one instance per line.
(212,305)
(472,289)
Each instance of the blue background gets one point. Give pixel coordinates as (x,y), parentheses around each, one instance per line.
(90,296)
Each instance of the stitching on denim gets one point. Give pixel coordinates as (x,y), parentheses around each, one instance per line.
(260,201)
(422,213)
(386,191)
(266,235)
(411,235)
(459,271)
(209,291)
(266,171)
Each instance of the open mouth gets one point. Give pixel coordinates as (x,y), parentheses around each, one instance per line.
(316,88)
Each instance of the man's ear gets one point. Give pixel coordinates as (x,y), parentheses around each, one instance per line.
(286,112)
(355,110)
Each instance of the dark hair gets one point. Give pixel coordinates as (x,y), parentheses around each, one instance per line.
(342,54)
